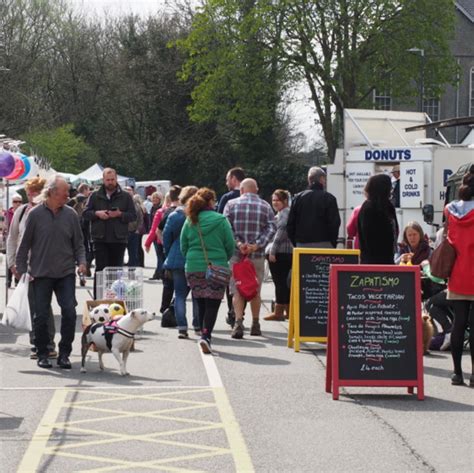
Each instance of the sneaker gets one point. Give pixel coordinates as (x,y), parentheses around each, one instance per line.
(43,362)
(457,379)
(197,331)
(446,342)
(64,363)
(205,345)
(238,330)
(53,354)
(183,334)
(255,329)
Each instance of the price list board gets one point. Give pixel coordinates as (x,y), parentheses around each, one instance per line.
(310,292)
(375,327)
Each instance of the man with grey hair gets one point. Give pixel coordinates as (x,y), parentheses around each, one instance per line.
(314,216)
(51,247)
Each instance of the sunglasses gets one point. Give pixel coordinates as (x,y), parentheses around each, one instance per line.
(17,201)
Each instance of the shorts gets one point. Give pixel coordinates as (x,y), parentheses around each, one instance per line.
(258,264)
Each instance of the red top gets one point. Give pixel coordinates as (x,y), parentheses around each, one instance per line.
(351,227)
(154,226)
(461,236)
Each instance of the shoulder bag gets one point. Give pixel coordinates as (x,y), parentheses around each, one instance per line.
(443,258)
(219,275)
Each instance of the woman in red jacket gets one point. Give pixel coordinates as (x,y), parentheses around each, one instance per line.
(460,219)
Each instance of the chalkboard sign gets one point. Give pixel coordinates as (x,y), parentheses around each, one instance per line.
(310,291)
(375,326)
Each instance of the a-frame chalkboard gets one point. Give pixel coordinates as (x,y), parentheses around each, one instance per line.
(310,292)
(375,328)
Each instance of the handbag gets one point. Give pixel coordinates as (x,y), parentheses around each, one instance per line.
(218,275)
(17,311)
(443,258)
(245,277)
(168,318)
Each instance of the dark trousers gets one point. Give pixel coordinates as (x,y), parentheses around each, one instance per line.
(51,327)
(441,310)
(280,270)
(168,290)
(208,309)
(107,254)
(160,259)
(463,319)
(132,249)
(64,289)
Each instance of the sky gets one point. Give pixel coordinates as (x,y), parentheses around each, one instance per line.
(301,112)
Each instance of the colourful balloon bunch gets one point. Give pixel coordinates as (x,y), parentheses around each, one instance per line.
(17,166)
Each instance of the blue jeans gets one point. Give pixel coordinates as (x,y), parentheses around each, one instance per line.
(181,291)
(160,258)
(64,289)
(133,246)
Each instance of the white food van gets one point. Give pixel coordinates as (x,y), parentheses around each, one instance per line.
(374,142)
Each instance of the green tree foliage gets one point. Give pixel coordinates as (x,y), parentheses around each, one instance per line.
(64,150)
(342,49)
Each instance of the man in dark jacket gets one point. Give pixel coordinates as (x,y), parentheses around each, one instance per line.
(110,210)
(233,179)
(314,217)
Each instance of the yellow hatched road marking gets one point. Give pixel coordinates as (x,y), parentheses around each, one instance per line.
(32,457)
(38,445)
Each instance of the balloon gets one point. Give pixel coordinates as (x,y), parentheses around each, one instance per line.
(18,170)
(33,169)
(27,164)
(7,164)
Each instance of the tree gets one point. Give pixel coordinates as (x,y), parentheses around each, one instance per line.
(343,49)
(65,151)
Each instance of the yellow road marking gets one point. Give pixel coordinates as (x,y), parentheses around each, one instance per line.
(34,452)
(242,460)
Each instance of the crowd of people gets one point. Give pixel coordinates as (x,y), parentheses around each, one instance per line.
(195,234)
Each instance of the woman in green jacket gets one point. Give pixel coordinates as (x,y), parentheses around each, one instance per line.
(206,238)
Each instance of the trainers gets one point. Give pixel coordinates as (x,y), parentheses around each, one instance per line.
(457,379)
(64,363)
(238,330)
(205,345)
(43,362)
(255,328)
(183,334)
(197,331)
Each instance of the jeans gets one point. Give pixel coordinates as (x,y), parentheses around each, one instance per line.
(132,248)
(181,291)
(64,289)
(107,254)
(160,259)
(51,327)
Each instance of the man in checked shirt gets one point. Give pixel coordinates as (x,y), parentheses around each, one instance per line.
(253,223)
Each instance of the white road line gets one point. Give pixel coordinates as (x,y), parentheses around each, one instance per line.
(242,460)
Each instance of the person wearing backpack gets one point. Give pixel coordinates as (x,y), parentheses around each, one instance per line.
(33,188)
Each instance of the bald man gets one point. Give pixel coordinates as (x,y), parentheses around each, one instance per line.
(253,224)
(109,209)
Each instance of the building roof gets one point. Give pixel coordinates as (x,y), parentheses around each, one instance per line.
(466,7)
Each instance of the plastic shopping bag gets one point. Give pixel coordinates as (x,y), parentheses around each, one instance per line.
(17,311)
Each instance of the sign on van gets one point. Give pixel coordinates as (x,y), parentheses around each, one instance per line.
(411,185)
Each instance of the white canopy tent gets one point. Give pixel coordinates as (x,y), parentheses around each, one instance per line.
(93,175)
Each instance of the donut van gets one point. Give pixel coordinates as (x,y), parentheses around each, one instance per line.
(375,141)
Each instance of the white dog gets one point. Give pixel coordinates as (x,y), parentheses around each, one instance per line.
(116,337)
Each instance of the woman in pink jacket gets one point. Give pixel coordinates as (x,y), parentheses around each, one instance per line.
(154,236)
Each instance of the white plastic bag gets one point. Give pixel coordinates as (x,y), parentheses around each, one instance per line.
(17,311)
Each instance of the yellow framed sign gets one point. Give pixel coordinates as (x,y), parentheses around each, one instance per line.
(309,295)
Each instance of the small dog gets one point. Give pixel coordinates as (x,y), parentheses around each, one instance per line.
(116,337)
(428,331)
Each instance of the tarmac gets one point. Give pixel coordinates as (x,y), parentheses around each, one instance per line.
(254,405)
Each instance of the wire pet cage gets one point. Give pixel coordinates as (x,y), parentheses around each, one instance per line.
(121,283)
